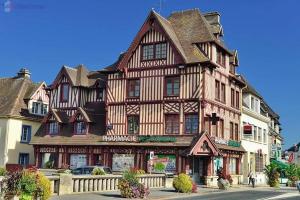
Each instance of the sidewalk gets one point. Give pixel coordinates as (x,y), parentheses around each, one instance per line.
(168,193)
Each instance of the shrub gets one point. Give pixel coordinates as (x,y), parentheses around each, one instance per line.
(2,171)
(137,171)
(98,171)
(183,183)
(28,183)
(43,187)
(12,184)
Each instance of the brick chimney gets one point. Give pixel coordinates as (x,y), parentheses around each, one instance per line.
(24,73)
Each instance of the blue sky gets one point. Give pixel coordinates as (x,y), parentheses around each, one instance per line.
(44,35)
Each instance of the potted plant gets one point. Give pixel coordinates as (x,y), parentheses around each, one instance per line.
(223,183)
(272,173)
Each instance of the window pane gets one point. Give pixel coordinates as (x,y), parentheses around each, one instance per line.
(160,51)
(172,124)
(148,52)
(133,88)
(133,124)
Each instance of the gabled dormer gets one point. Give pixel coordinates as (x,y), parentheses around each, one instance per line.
(53,122)
(81,121)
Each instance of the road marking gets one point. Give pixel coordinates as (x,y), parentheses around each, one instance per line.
(282,196)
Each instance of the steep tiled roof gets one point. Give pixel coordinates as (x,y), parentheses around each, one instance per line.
(13,93)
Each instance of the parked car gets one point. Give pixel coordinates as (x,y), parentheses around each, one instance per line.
(87,170)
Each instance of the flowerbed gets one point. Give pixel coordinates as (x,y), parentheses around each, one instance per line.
(130,187)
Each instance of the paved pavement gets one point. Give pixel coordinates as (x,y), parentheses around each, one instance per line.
(245,193)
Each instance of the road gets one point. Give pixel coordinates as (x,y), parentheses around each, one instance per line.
(247,195)
(203,193)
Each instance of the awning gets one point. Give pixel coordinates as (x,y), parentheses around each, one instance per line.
(281,164)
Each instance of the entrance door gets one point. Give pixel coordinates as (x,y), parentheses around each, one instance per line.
(199,169)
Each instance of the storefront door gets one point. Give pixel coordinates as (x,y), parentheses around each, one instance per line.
(199,169)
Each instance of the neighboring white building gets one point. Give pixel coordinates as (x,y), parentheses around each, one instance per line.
(23,104)
(255,137)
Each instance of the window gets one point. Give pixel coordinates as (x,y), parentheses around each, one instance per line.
(172,124)
(64,92)
(44,109)
(133,88)
(161,51)
(237,101)
(53,128)
(221,57)
(252,103)
(207,124)
(35,108)
(191,123)
(259,162)
(231,131)
(80,128)
(265,135)
(133,123)
(223,93)
(255,133)
(221,128)
(148,52)
(214,129)
(259,134)
(99,93)
(236,129)
(217,90)
(232,166)
(24,159)
(154,51)
(172,86)
(26,134)
(232,98)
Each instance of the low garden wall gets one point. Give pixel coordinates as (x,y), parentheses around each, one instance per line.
(68,184)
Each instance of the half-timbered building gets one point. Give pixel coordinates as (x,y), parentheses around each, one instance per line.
(75,121)
(174,94)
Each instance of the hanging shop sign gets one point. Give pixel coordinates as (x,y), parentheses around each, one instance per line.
(149,138)
(231,143)
(248,129)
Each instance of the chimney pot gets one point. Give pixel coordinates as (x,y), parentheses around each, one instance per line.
(24,73)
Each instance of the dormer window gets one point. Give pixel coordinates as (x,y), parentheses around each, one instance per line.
(99,93)
(221,57)
(64,92)
(154,51)
(53,128)
(80,128)
(39,108)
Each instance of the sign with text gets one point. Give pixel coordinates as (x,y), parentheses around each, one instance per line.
(119,138)
(231,143)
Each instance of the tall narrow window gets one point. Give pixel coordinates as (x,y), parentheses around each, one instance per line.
(133,123)
(214,130)
(53,128)
(265,136)
(80,128)
(172,86)
(223,93)
(207,124)
(252,103)
(26,134)
(255,133)
(232,98)
(237,101)
(99,93)
(161,51)
(191,123)
(24,159)
(231,131)
(236,131)
(259,135)
(35,108)
(148,52)
(44,109)
(133,88)
(64,92)
(217,90)
(221,128)
(172,124)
